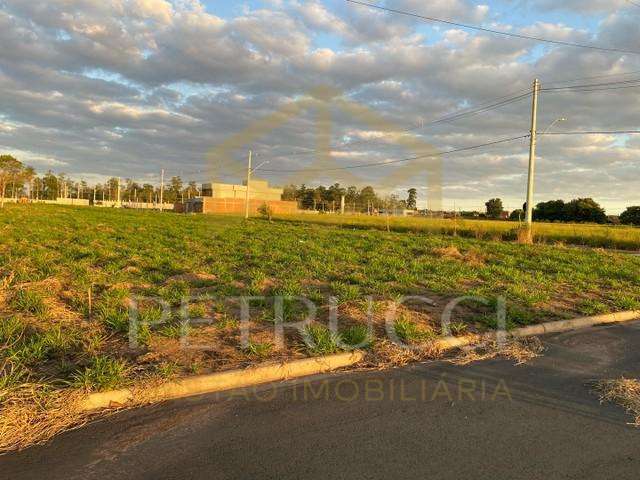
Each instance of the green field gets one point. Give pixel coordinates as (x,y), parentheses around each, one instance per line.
(590,235)
(67,276)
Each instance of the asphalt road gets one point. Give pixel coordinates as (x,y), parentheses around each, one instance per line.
(490,420)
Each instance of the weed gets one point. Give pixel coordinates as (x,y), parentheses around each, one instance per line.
(593,307)
(227,323)
(175,292)
(260,350)
(104,373)
(345,292)
(357,336)
(168,370)
(458,328)
(320,340)
(175,330)
(11,330)
(410,332)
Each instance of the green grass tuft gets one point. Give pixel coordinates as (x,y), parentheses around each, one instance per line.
(104,373)
(320,340)
(29,301)
(357,336)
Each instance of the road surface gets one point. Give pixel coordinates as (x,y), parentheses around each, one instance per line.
(487,420)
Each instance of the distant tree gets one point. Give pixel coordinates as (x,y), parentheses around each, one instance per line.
(191,190)
(51,189)
(175,189)
(517,215)
(631,216)
(368,197)
(28,175)
(551,211)
(494,208)
(335,193)
(10,169)
(147,193)
(412,199)
(290,193)
(585,210)
(351,195)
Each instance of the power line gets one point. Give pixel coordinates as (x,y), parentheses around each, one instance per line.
(602,132)
(608,75)
(454,116)
(497,32)
(393,162)
(631,83)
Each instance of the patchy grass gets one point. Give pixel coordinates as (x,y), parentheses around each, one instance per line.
(69,276)
(623,391)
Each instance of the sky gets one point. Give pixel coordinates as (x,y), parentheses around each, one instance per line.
(101,88)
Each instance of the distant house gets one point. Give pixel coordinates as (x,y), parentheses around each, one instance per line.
(259,189)
(230,198)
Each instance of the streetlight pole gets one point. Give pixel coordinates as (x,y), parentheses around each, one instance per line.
(162,190)
(249,172)
(246,194)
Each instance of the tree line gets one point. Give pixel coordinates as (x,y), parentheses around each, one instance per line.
(578,210)
(366,199)
(18,180)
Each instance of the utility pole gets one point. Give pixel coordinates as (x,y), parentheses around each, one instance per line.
(94,195)
(118,204)
(342,204)
(532,155)
(246,195)
(161,188)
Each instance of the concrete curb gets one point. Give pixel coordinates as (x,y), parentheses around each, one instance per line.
(542,329)
(217,382)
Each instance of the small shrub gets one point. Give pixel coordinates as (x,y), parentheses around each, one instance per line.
(266,211)
(103,373)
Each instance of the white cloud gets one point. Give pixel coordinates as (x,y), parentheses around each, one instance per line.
(122,87)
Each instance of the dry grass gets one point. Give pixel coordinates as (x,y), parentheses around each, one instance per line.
(521,350)
(33,414)
(472,257)
(623,391)
(385,354)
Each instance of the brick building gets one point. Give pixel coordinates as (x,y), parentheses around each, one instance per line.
(230,198)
